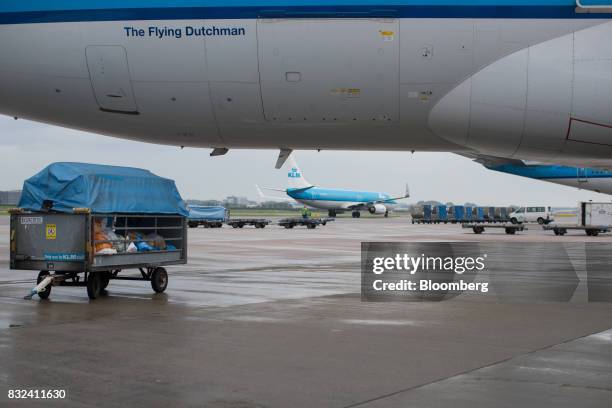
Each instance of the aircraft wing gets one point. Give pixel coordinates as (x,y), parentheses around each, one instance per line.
(492,161)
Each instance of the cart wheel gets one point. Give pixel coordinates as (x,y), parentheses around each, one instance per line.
(159,279)
(45,293)
(510,231)
(288,226)
(311,226)
(105,279)
(94,284)
(234,225)
(556,231)
(477,230)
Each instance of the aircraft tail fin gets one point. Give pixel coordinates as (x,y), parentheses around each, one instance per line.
(295,178)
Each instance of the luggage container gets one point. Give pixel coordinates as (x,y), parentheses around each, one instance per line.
(479,214)
(468,213)
(82,224)
(456,213)
(442,214)
(427,213)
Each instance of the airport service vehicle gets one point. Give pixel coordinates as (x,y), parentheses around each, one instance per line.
(208,217)
(592,218)
(539,214)
(113,227)
(509,228)
(241,222)
(516,79)
(310,223)
(333,200)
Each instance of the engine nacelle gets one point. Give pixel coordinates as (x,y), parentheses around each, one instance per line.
(377,209)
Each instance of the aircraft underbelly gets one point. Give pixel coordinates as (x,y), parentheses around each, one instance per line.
(313,83)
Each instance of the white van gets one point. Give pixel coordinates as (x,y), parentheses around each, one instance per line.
(539,214)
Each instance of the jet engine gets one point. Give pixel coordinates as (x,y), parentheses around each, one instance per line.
(377,209)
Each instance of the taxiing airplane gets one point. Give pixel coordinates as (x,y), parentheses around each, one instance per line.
(517,79)
(333,200)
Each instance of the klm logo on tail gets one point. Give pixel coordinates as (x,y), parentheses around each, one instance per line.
(294,173)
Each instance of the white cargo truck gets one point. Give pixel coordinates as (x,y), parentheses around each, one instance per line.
(592,218)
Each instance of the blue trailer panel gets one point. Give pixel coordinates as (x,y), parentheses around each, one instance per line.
(442,213)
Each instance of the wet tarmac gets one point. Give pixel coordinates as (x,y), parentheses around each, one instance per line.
(273,318)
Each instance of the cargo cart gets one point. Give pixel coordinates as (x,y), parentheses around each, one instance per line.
(310,223)
(479,228)
(208,217)
(82,224)
(241,222)
(62,246)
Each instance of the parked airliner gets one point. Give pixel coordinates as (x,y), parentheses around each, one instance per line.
(517,79)
(335,201)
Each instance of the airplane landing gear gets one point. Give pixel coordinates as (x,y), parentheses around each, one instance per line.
(332,213)
(356,214)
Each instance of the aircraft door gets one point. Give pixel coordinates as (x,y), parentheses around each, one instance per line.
(582,175)
(110,78)
(329,70)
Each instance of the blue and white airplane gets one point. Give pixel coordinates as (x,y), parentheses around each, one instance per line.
(335,201)
(527,80)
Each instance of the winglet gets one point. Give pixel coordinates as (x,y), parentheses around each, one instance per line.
(283,155)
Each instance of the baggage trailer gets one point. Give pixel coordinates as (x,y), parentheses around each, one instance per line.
(241,222)
(62,247)
(208,217)
(509,228)
(310,223)
(81,224)
(592,218)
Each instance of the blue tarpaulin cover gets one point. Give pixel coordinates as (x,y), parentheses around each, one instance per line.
(199,213)
(102,189)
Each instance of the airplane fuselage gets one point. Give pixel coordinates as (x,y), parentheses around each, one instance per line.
(332,199)
(518,78)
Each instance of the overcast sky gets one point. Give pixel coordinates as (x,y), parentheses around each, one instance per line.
(27,147)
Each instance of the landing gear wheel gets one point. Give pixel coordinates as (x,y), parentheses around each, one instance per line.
(94,285)
(331,213)
(45,293)
(159,279)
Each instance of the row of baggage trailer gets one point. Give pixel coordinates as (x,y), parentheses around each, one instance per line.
(437,214)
